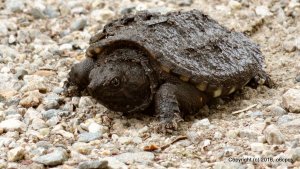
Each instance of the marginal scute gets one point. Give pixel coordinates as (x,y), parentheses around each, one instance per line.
(202,86)
(184,78)
(165,69)
(97,50)
(217,92)
(232,89)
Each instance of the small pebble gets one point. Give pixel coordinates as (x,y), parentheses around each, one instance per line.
(14,6)
(85,102)
(297,42)
(37,13)
(232,133)
(115,163)
(38,123)
(96,164)
(65,134)
(201,123)
(205,143)
(34,82)
(58,90)
(228,151)
(3,30)
(44,144)
(256,114)
(51,101)
(11,39)
(14,116)
(274,110)
(82,148)
(51,12)
(53,121)
(223,165)
(48,114)
(75,101)
(194,137)
(184,2)
(16,154)
(87,137)
(296,154)
(78,10)
(137,140)
(261,139)
(284,119)
(218,135)
(3,164)
(234,4)
(297,78)
(125,140)
(291,100)
(262,11)
(95,128)
(141,157)
(292,123)
(250,134)
(273,135)
(65,47)
(289,45)
(2,115)
(78,24)
(8,52)
(57,157)
(31,99)
(20,73)
(44,131)
(12,125)
(68,107)
(257,147)
(102,14)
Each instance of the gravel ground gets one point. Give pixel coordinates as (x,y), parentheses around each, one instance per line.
(41,128)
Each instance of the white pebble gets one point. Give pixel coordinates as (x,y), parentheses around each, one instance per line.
(262,11)
(16,154)
(273,135)
(12,125)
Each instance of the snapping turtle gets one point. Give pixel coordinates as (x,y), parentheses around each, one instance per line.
(176,62)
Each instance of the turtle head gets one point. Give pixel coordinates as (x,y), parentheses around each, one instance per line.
(120,85)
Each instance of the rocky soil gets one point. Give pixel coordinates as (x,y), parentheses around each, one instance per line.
(41,128)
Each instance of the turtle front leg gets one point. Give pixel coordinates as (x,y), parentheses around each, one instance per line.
(172,101)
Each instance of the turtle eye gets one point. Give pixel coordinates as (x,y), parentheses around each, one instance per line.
(115,82)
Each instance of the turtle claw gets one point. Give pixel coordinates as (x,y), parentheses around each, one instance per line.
(168,126)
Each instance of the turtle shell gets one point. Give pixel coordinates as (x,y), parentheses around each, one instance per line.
(189,45)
